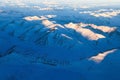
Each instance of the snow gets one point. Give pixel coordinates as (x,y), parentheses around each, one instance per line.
(100,57)
(47,22)
(85,32)
(106,29)
(29,18)
(51,41)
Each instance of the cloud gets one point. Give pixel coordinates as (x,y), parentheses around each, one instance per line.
(84,7)
(103,13)
(50,16)
(45,9)
(106,14)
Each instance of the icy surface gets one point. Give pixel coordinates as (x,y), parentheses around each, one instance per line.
(52,41)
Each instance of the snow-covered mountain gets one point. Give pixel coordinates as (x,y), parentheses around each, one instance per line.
(66,43)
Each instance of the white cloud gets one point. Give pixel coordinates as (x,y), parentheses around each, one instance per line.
(84,7)
(102,13)
(45,9)
(50,16)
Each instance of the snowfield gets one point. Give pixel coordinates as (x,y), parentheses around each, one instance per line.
(51,43)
